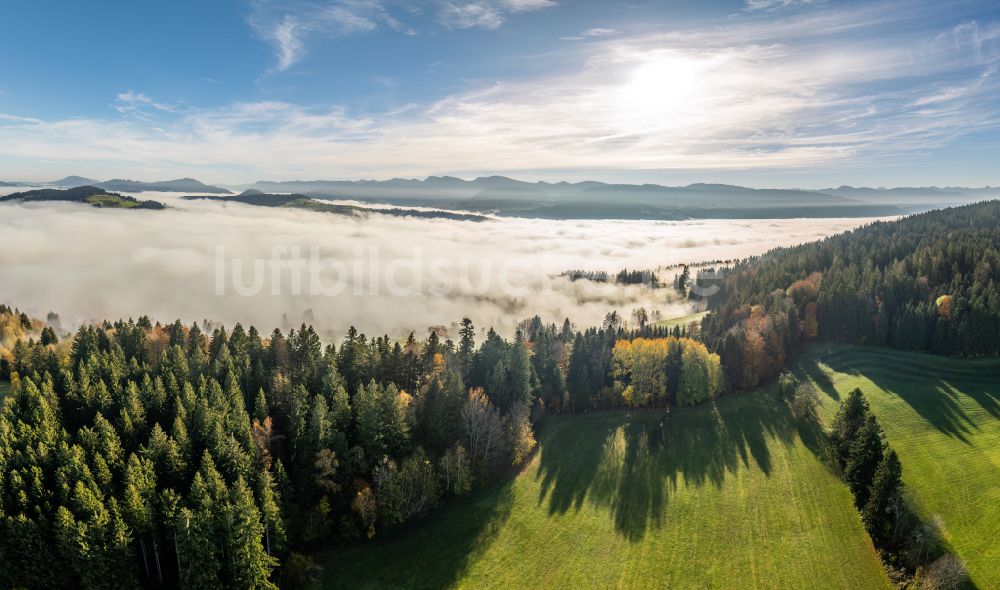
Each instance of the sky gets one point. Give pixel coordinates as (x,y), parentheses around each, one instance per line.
(779,93)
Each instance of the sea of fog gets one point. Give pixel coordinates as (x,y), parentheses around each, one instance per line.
(227,262)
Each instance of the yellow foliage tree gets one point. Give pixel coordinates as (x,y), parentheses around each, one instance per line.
(641,376)
(944,304)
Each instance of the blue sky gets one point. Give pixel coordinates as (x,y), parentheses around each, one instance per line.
(756,92)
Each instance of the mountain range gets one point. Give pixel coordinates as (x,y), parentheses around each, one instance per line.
(180,185)
(598,200)
(505,196)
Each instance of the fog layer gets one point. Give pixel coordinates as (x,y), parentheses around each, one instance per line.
(382,274)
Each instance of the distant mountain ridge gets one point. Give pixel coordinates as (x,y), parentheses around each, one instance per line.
(449,187)
(484,182)
(73,181)
(915,195)
(180,185)
(588,199)
(504,196)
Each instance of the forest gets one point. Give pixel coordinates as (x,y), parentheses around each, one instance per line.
(929,282)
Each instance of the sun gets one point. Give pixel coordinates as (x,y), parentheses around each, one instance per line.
(668,91)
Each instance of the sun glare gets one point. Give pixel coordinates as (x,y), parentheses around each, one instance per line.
(666,92)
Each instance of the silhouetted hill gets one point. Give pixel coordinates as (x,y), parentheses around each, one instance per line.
(72,181)
(181,185)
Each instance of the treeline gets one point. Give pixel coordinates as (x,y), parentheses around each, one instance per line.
(871,469)
(598,276)
(622,277)
(929,282)
(637,277)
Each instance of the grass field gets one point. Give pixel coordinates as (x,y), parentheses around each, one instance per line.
(943,418)
(726,496)
(681,321)
(111,201)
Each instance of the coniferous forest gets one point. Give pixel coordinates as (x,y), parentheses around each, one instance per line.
(929,282)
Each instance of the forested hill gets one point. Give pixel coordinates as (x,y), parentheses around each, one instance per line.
(926,282)
(297,201)
(90,195)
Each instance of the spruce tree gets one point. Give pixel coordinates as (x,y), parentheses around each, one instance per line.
(850,417)
(863,460)
(249,564)
(466,346)
(883,510)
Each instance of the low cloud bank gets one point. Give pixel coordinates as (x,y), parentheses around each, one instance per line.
(272,268)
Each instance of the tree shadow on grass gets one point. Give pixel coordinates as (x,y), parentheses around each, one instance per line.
(825,384)
(429,553)
(629,465)
(931,386)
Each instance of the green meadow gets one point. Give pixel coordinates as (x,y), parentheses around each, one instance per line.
(942,416)
(681,321)
(727,495)
(112,201)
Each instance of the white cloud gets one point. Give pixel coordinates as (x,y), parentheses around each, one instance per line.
(973,36)
(132,102)
(287,24)
(527,5)
(472,14)
(139,107)
(590,33)
(775,4)
(486,14)
(945,95)
(288,44)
